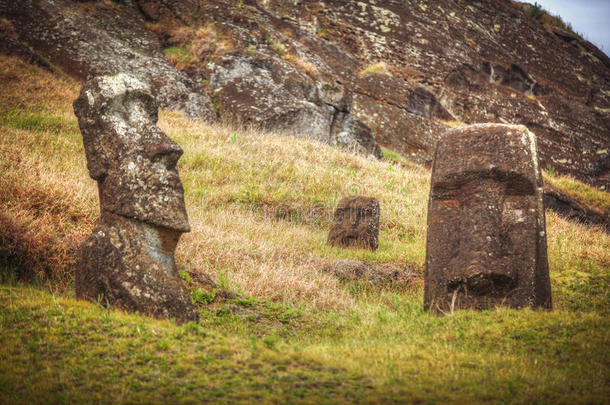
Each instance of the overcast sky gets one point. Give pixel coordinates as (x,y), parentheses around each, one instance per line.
(591,18)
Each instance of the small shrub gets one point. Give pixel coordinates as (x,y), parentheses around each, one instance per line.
(270,341)
(201,297)
(185,275)
(535,11)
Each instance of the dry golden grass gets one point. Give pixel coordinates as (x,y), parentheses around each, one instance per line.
(23,86)
(259,225)
(580,191)
(263,222)
(47,206)
(302,65)
(375,69)
(452,124)
(260,205)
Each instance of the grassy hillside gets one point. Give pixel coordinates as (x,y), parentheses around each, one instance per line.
(277,325)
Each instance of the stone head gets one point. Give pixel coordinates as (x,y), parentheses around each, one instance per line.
(132,160)
(486,232)
(356,223)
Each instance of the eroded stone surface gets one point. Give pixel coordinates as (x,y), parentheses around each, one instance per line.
(356,223)
(105,38)
(128,260)
(486,241)
(273,95)
(446,63)
(129,264)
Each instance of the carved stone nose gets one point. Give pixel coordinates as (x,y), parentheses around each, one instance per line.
(167,153)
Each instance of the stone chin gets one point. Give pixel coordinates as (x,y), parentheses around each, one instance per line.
(150,196)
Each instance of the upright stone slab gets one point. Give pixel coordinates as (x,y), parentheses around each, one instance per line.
(128,260)
(356,223)
(486,241)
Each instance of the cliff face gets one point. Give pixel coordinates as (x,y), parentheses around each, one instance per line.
(398,72)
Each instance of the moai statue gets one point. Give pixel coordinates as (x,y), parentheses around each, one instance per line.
(128,260)
(355,223)
(486,241)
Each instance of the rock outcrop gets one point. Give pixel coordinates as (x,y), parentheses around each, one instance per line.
(570,208)
(88,39)
(381,275)
(128,260)
(350,73)
(272,94)
(486,241)
(413,68)
(355,223)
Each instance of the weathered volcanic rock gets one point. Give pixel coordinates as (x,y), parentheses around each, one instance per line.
(356,223)
(273,95)
(129,264)
(128,260)
(104,38)
(446,62)
(486,241)
(404,70)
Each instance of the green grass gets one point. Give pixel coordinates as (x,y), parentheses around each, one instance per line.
(582,192)
(178,55)
(34,120)
(64,351)
(56,349)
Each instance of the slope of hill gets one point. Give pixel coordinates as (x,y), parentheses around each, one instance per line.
(352,74)
(283,319)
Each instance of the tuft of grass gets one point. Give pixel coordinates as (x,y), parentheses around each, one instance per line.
(375,69)
(300,64)
(582,192)
(179,57)
(452,124)
(276,45)
(201,297)
(390,155)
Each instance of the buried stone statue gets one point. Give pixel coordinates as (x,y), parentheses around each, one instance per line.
(355,223)
(486,243)
(128,260)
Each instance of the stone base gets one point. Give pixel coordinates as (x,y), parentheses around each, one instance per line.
(130,265)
